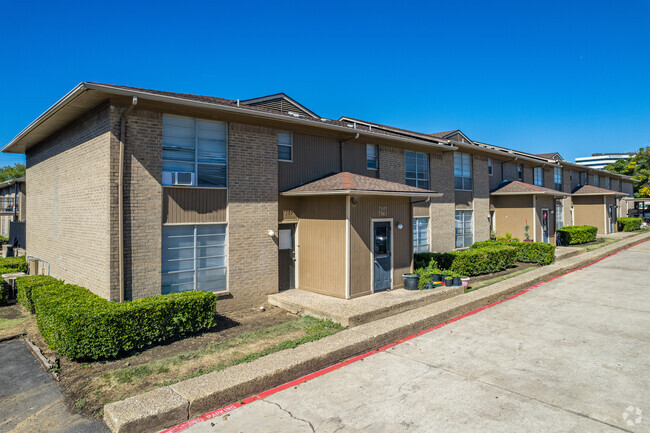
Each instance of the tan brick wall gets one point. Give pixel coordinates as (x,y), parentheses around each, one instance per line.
(142,202)
(68,183)
(481,198)
(252,212)
(442,210)
(391,164)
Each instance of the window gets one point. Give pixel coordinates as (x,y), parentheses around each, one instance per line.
(417,169)
(520,172)
(464,233)
(559,215)
(490,166)
(285,146)
(608,183)
(193,258)
(420,235)
(371,157)
(194,147)
(538,176)
(463,171)
(584,178)
(557,175)
(596,180)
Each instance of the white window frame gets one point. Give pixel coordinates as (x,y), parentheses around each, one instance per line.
(290,146)
(417,180)
(417,248)
(464,213)
(490,164)
(195,258)
(538,176)
(463,170)
(376,159)
(196,152)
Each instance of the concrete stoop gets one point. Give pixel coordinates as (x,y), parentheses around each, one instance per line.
(171,405)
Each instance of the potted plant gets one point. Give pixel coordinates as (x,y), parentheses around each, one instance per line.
(411,281)
(526,227)
(436,274)
(465,282)
(449,281)
(456,279)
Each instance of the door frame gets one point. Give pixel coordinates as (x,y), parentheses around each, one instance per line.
(372,251)
(295,249)
(548,234)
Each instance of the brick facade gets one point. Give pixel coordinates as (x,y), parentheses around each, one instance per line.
(481,198)
(442,210)
(391,164)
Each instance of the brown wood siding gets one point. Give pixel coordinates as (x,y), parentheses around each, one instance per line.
(354,159)
(589,211)
(420,210)
(194,205)
(313,158)
(321,245)
(511,215)
(361,213)
(282,105)
(288,209)
(497,174)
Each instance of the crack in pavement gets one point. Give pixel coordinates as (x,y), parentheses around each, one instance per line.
(583,415)
(290,414)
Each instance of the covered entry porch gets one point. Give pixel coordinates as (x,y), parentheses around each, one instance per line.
(353,234)
(596,207)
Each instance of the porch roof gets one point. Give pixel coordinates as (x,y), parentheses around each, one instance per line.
(594,190)
(515,187)
(347,183)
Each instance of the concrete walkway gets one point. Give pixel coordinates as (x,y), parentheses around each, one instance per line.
(30,400)
(570,355)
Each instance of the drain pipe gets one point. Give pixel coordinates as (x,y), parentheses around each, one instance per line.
(120,197)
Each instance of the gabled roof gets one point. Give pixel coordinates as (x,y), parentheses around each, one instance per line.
(594,190)
(553,155)
(515,187)
(347,183)
(283,103)
(449,134)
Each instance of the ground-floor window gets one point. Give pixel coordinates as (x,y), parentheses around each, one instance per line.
(420,235)
(193,258)
(464,232)
(559,215)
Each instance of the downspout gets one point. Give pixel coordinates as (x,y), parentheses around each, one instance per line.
(120,197)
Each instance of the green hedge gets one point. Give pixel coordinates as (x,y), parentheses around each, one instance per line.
(573,235)
(629,224)
(25,285)
(13,264)
(4,293)
(471,262)
(82,325)
(527,252)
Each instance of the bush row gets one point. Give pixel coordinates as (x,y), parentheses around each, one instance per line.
(541,253)
(82,325)
(10,265)
(629,224)
(573,235)
(493,258)
(25,286)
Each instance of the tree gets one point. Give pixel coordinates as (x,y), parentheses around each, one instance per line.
(9,172)
(638,167)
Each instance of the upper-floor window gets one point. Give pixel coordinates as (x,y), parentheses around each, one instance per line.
(194,152)
(371,157)
(557,176)
(417,169)
(596,180)
(584,178)
(463,171)
(538,176)
(608,183)
(285,146)
(520,172)
(490,169)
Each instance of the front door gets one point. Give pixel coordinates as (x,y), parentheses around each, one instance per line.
(544,225)
(611,218)
(286,256)
(382,255)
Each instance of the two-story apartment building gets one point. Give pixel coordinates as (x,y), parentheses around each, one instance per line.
(135,192)
(12,209)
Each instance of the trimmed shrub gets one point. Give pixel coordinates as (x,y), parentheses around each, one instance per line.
(24,286)
(4,293)
(442,260)
(4,240)
(485,260)
(629,224)
(573,235)
(527,252)
(82,325)
(13,264)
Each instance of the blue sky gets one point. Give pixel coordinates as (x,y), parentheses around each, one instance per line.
(567,76)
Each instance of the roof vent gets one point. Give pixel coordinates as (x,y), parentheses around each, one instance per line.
(294,114)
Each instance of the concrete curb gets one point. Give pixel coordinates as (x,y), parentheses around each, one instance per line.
(168,406)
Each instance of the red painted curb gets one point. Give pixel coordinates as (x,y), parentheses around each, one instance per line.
(267,393)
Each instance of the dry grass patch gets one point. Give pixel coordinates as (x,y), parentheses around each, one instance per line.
(14,319)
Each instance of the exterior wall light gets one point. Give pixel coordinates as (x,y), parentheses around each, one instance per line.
(271,233)
(399,226)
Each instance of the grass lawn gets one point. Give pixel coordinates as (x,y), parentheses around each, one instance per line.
(500,278)
(15,320)
(599,244)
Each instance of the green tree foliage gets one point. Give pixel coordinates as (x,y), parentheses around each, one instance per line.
(9,172)
(638,167)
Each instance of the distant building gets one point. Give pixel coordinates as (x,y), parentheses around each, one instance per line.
(601,160)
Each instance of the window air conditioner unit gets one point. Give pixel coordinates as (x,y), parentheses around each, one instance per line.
(181,178)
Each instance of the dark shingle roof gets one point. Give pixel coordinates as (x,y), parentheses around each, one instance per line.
(346,182)
(594,190)
(515,187)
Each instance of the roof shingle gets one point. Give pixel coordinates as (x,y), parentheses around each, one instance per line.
(515,187)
